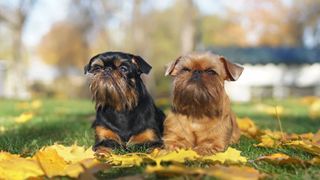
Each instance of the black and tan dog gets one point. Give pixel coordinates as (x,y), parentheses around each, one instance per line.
(125,112)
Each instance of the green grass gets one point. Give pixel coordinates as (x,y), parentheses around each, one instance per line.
(69,121)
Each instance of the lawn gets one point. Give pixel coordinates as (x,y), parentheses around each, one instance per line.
(68,122)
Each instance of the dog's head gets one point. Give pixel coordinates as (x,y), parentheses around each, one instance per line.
(115,79)
(199,83)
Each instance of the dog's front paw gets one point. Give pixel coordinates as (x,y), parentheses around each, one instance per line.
(102,151)
(205,150)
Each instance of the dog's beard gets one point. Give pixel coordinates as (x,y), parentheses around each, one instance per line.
(113,91)
(199,98)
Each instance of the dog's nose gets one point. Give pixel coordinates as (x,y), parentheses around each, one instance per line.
(196,74)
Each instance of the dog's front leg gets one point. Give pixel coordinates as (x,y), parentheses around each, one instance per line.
(146,138)
(106,140)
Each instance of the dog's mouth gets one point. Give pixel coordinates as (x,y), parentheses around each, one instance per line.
(197,98)
(114,91)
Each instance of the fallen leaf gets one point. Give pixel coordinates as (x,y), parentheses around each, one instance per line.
(308,146)
(36,104)
(270,139)
(271,110)
(14,167)
(280,159)
(74,153)
(315,160)
(179,156)
(309,100)
(217,171)
(50,162)
(126,160)
(247,127)
(314,109)
(24,117)
(6,156)
(2,129)
(230,156)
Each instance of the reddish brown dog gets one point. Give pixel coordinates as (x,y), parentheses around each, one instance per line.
(201,116)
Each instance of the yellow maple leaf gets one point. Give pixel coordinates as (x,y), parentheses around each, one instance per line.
(74,153)
(180,156)
(126,160)
(50,162)
(308,146)
(247,127)
(14,167)
(74,170)
(59,160)
(271,139)
(5,156)
(24,117)
(230,156)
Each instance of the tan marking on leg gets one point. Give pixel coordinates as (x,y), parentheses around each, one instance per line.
(103,133)
(143,137)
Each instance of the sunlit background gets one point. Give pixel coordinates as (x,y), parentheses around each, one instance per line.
(45,44)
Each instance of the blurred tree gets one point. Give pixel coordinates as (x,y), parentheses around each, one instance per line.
(65,47)
(15,18)
(221,32)
(188,28)
(279,23)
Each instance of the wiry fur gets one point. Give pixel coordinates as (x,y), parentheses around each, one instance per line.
(113,90)
(201,116)
(125,112)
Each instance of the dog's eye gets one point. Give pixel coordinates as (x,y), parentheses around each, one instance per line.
(186,69)
(96,67)
(210,71)
(123,69)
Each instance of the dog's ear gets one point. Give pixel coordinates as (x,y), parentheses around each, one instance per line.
(94,60)
(86,68)
(233,70)
(170,70)
(143,66)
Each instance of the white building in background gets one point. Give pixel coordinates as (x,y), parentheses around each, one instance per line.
(275,81)
(274,72)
